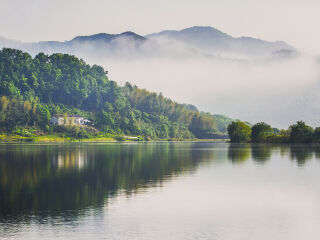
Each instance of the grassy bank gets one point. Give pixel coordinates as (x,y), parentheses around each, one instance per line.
(55,138)
(103,138)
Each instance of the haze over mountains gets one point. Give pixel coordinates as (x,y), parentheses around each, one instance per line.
(212,41)
(245,78)
(190,42)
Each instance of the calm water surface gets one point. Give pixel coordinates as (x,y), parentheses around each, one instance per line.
(159,191)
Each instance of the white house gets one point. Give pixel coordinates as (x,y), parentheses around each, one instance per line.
(69,120)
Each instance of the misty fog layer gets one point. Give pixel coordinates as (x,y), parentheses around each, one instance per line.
(279,92)
(276,86)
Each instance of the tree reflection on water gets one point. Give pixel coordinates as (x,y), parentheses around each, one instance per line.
(57,179)
(67,179)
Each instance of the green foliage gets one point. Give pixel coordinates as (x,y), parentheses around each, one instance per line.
(278,138)
(43,114)
(73,131)
(17,113)
(201,125)
(222,122)
(317,134)
(263,133)
(239,132)
(260,132)
(301,133)
(34,89)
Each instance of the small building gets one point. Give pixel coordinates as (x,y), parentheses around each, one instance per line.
(69,120)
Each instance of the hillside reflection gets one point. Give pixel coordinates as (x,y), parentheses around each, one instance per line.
(58,179)
(68,179)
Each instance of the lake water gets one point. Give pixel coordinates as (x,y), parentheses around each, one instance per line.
(159,191)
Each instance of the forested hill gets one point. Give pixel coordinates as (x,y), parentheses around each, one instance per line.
(34,89)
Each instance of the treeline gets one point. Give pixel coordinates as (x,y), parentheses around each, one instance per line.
(202,125)
(34,89)
(263,133)
(22,113)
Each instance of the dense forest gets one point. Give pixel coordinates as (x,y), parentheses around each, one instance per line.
(32,90)
(298,133)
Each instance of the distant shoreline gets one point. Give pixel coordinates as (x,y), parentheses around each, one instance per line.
(57,139)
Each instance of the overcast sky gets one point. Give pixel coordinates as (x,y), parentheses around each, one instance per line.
(294,21)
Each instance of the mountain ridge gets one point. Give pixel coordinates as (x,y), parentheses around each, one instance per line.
(204,40)
(211,39)
(107,37)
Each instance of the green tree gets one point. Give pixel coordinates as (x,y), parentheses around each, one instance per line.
(203,125)
(316,135)
(239,132)
(35,88)
(260,132)
(43,115)
(301,133)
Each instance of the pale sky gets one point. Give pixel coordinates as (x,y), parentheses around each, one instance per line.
(293,21)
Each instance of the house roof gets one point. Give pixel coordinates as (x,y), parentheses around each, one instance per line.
(76,116)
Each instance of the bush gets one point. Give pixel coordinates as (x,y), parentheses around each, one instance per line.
(316,135)
(301,133)
(278,139)
(120,138)
(260,132)
(239,132)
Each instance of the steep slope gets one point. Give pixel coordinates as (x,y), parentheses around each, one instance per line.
(33,89)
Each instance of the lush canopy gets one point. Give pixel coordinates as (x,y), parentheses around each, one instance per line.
(299,133)
(33,89)
(260,132)
(239,132)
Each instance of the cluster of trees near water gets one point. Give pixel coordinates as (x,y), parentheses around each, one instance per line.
(261,132)
(32,90)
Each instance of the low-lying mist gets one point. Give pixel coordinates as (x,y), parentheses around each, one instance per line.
(279,91)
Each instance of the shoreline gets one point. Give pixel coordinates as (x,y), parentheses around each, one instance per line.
(57,139)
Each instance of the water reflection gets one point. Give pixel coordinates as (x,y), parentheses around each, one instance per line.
(65,180)
(262,153)
(60,179)
(302,154)
(71,159)
(239,153)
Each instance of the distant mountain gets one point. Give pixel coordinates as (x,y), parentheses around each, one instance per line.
(213,41)
(190,42)
(8,42)
(106,38)
(100,45)
(202,36)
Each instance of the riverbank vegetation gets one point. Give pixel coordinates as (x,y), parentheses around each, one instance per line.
(261,132)
(32,90)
